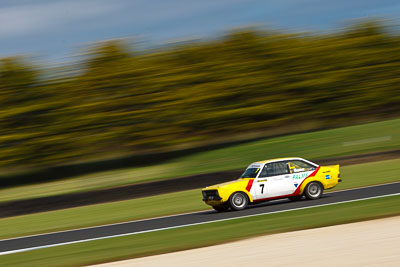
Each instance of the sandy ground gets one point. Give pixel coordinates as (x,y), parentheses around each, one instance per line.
(370,243)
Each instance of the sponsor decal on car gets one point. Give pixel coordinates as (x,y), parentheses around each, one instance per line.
(300,176)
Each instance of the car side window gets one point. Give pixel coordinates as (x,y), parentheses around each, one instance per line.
(296,166)
(275,168)
(264,172)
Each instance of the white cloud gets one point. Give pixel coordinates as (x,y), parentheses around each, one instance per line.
(33,18)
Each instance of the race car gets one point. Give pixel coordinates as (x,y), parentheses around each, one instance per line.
(266,180)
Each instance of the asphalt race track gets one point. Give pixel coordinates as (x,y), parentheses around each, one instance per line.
(8,246)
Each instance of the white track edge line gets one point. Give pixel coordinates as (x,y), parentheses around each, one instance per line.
(187,225)
(165,216)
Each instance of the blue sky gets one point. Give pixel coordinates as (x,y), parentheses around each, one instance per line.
(57,29)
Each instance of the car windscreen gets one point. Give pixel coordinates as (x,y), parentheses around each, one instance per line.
(250,173)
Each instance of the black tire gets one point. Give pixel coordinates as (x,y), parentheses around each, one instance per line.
(313,190)
(238,201)
(221,208)
(295,198)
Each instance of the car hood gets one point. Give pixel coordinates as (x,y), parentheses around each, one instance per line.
(226,183)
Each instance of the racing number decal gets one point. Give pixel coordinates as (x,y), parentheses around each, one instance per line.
(262,188)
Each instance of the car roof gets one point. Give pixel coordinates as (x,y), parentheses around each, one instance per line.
(278,159)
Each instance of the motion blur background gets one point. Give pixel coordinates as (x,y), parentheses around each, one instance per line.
(115,111)
(300,66)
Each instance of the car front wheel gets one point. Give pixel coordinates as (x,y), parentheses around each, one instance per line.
(313,190)
(238,201)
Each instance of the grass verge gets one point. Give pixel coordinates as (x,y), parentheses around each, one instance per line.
(167,204)
(372,137)
(204,235)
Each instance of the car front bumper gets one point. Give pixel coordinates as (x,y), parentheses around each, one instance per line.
(211,195)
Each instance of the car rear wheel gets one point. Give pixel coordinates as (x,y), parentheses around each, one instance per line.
(313,190)
(221,208)
(238,201)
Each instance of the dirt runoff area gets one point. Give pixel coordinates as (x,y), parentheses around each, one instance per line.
(369,243)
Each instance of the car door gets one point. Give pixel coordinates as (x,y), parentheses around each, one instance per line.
(274,180)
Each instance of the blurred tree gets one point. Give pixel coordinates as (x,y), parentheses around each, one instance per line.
(22,115)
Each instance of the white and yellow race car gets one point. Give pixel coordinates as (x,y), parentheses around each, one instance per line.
(266,180)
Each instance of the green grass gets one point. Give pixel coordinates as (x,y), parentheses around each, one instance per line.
(204,235)
(378,136)
(167,204)
(370,174)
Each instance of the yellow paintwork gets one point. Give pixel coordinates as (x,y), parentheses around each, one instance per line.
(272,160)
(225,190)
(320,176)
